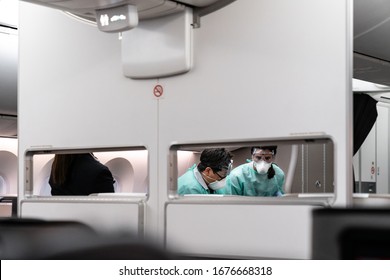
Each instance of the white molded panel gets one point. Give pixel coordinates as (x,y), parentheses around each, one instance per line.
(102,216)
(159,47)
(239,230)
(80,99)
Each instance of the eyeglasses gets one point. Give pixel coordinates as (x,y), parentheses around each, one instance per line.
(221,177)
(226,171)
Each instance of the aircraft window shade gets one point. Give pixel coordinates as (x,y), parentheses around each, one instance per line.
(108,171)
(302,168)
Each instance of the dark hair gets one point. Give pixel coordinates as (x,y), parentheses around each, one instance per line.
(61,167)
(216,159)
(271,148)
(271,172)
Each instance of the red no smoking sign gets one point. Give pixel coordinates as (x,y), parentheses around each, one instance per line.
(158,90)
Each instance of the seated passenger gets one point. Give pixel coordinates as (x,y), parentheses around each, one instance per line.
(208,177)
(79,174)
(260,177)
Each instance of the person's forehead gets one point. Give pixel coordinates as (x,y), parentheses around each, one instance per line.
(263,152)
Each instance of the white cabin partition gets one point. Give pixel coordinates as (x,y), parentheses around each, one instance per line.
(263,70)
(104,215)
(239,230)
(72,95)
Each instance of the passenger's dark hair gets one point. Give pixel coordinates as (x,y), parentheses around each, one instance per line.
(271,148)
(60,168)
(216,159)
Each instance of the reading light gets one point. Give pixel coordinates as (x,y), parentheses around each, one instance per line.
(117,19)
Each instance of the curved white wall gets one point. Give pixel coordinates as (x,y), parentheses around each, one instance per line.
(8,166)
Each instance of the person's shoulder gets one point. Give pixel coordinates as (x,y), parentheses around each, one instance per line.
(187,183)
(278,170)
(188,174)
(92,161)
(87,164)
(190,188)
(241,168)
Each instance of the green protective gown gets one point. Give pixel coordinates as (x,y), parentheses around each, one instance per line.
(189,183)
(244,180)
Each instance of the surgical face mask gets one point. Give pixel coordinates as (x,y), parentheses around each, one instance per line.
(217,184)
(262,166)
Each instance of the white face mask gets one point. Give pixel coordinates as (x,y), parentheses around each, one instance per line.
(217,184)
(262,166)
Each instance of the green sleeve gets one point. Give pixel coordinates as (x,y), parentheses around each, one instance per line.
(280,180)
(233,185)
(224,190)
